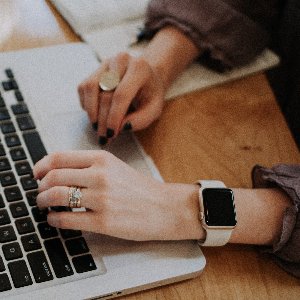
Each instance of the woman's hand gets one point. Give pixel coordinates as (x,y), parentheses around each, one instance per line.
(121,202)
(140,87)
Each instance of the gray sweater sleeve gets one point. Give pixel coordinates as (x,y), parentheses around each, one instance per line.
(286,250)
(228,32)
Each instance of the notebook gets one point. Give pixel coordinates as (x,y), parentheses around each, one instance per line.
(117,22)
(40,113)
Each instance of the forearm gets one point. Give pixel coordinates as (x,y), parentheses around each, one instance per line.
(259,215)
(169,53)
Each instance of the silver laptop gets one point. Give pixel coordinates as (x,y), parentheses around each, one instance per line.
(40,113)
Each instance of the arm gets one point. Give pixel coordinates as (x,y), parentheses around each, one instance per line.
(183,31)
(147,210)
(151,210)
(260,215)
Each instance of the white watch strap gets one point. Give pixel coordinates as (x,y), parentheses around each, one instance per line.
(214,236)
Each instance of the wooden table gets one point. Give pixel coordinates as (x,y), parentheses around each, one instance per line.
(218,133)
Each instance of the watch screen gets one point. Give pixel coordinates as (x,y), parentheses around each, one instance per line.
(219,207)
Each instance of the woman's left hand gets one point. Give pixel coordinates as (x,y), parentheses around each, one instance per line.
(120,201)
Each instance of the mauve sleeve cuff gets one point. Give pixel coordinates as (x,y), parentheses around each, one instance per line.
(285,251)
(225,35)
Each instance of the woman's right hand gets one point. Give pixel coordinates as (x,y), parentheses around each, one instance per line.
(140,87)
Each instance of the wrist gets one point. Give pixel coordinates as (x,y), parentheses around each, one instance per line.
(169,53)
(266,208)
(185,224)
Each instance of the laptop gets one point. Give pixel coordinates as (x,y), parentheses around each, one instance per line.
(39,114)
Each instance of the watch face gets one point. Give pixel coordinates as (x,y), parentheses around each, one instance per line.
(219,207)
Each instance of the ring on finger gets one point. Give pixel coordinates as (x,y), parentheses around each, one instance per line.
(75,197)
(109,80)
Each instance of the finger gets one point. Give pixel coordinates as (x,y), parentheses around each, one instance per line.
(91,93)
(72,220)
(144,115)
(59,196)
(118,65)
(132,82)
(104,107)
(68,159)
(64,177)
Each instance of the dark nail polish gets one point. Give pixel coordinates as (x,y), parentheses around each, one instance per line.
(110,133)
(95,125)
(127,126)
(102,140)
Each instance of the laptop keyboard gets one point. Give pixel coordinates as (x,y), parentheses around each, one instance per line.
(32,252)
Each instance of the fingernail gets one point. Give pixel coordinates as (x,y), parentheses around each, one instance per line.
(95,125)
(102,140)
(127,126)
(110,133)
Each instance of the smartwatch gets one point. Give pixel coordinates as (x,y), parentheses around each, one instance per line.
(217,212)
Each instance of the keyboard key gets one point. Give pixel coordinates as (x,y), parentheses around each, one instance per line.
(7,127)
(2,103)
(20,108)
(7,179)
(25,123)
(40,215)
(12,251)
(58,258)
(4,283)
(2,266)
(35,146)
(4,164)
(31,242)
(28,183)
(24,226)
(47,231)
(17,154)
(84,263)
(4,114)
(13,194)
(2,150)
(10,85)
(31,197)
(19,273)
(69,233)
(4,217)
(9,73)
(18,210)
(7,234)
(60,208)
(1,202)
(12,140)
(19,96)
(77,246)
(23,168)
(39,266)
